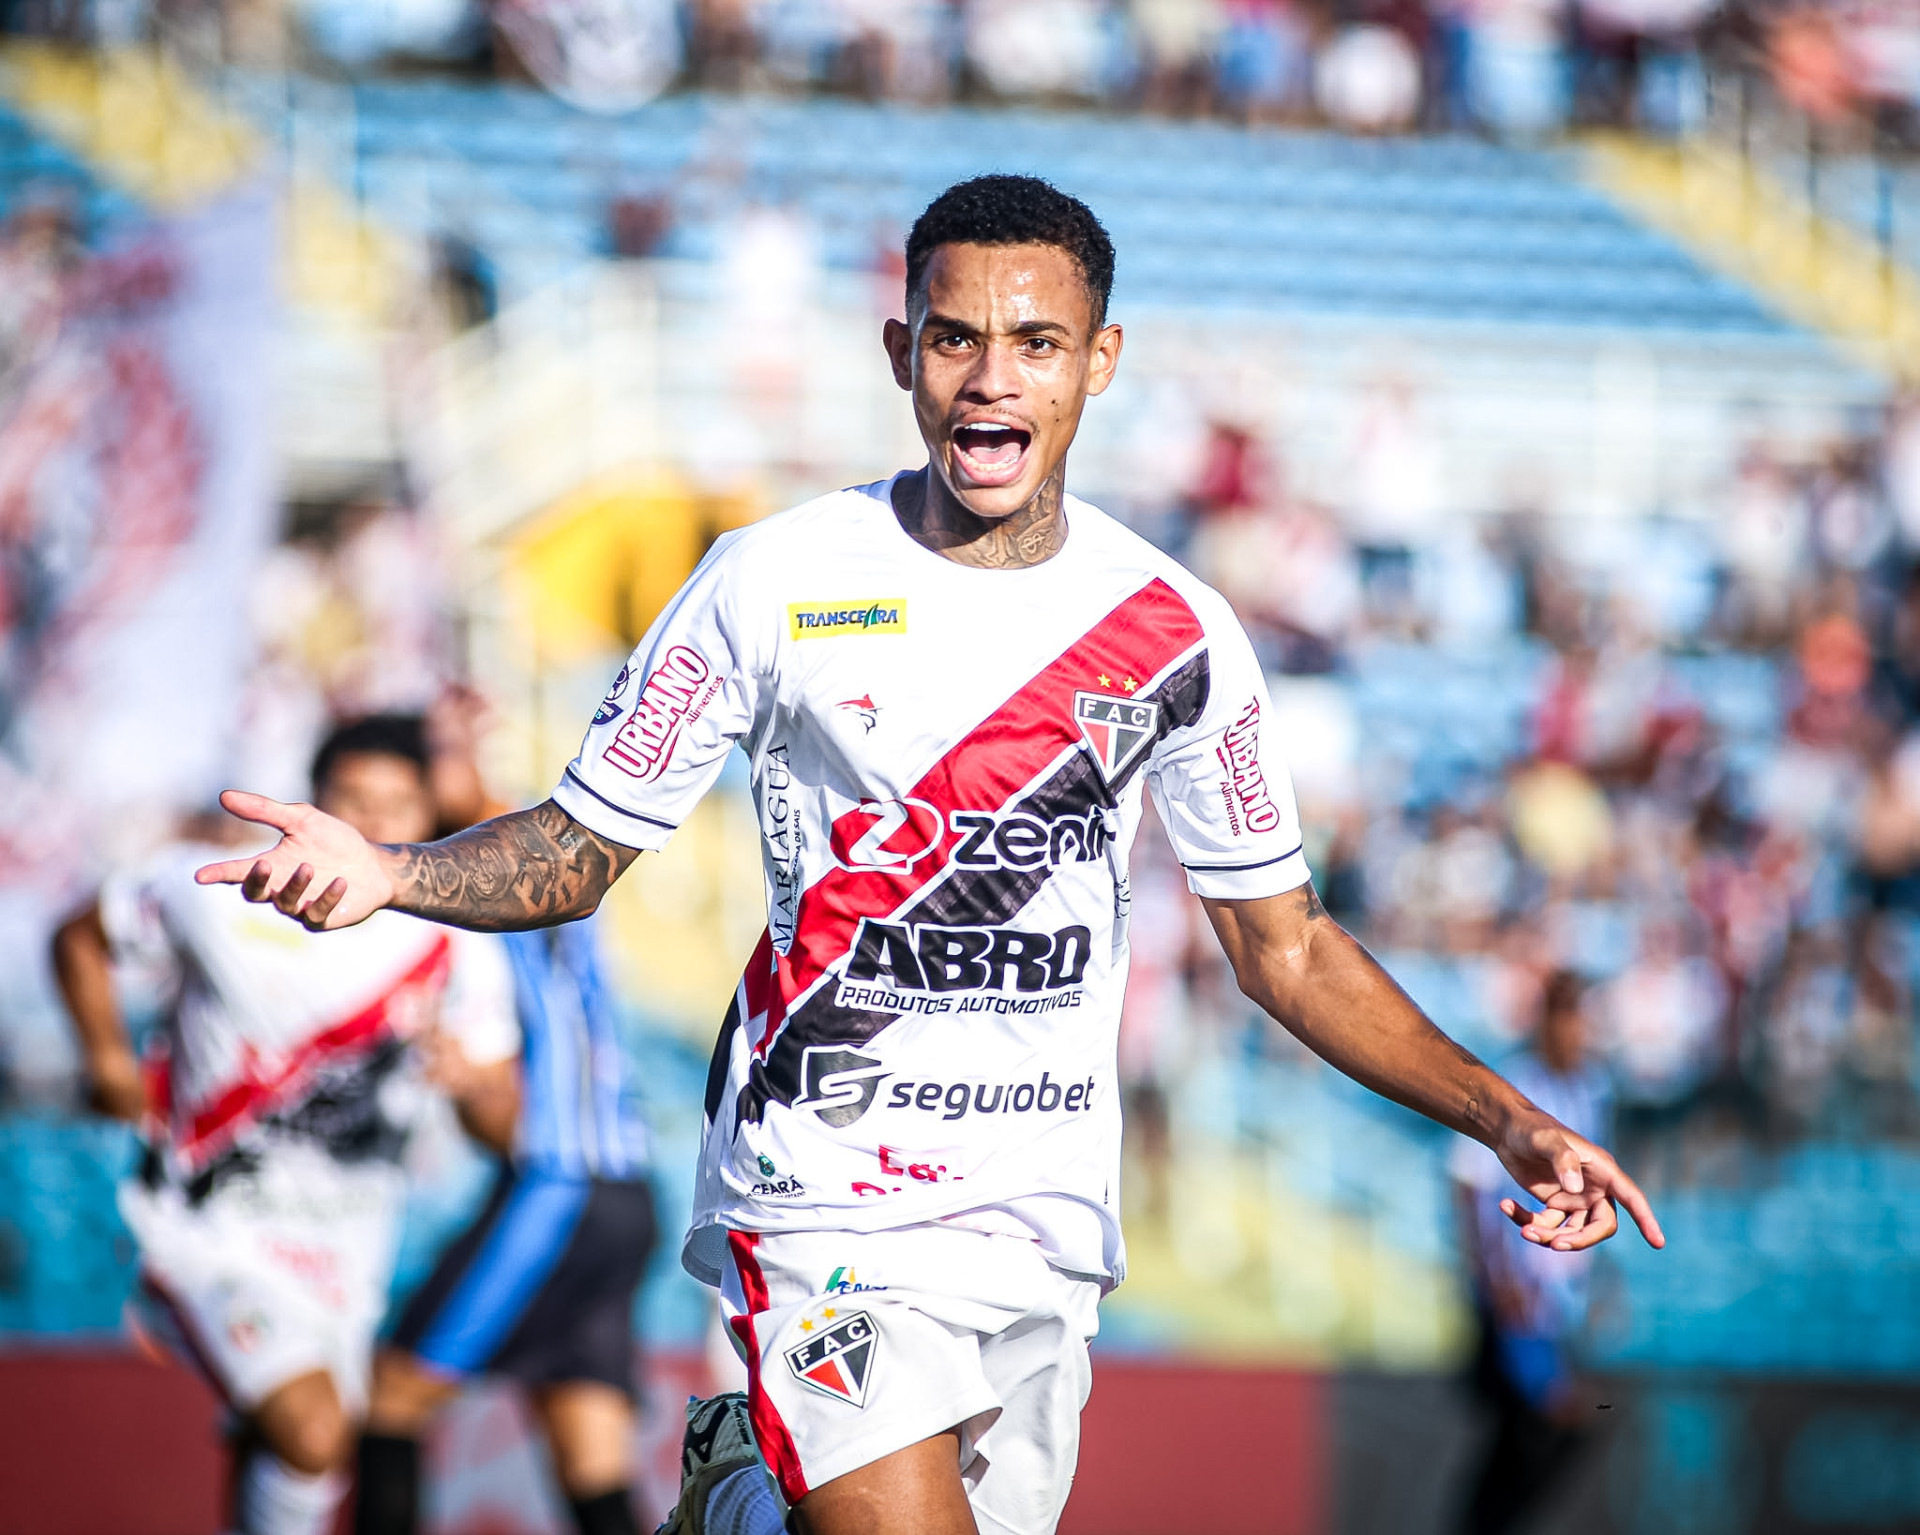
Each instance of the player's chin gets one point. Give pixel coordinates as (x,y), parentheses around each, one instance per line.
(990,497)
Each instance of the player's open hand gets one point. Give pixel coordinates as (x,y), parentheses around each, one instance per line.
(1578,1186)
(322,872)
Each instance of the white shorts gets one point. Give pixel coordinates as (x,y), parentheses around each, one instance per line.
(860,1345)
(281,1271)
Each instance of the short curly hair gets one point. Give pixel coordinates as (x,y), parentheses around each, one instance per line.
(373,735)
(1014,210)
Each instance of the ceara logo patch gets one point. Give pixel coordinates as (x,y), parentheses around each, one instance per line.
(837,1357)
(871,615)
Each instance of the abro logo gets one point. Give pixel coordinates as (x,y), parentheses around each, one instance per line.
(886,834)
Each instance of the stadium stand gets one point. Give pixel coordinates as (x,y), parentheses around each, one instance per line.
(1287,222)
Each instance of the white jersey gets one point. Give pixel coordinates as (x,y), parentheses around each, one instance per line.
(276,1027)
(948,764)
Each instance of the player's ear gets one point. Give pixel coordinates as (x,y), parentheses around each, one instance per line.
(899,343)
(1105,358)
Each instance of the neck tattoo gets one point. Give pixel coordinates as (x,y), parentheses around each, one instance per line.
(938,520)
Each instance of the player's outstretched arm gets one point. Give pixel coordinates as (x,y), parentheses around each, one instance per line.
(1308,972)
(532,868)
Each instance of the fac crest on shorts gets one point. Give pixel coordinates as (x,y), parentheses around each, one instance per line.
(1118,729)
(838,1360)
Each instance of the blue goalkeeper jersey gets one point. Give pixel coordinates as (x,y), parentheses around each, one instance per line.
(578,1118)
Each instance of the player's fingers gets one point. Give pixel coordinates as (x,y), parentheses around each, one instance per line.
(321,906)
(1601,1225)
(1624,1189)
(257,807)
(232,872)
(1566,1167)
(1535,1224)
(287,897)
(256,884)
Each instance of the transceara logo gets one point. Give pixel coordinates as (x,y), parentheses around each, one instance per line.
(817,620)
(681,687)
(1249,801)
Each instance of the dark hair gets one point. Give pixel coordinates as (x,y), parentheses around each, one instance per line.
(373,735)
(1562,993)
(1014,210)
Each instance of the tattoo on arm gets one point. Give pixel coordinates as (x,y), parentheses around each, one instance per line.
(533,868)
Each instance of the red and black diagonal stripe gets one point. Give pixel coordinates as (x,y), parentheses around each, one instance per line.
(1142,636)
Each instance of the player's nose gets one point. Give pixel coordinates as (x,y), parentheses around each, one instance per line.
(995,375)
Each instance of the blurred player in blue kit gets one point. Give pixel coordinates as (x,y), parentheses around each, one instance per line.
(540,1288)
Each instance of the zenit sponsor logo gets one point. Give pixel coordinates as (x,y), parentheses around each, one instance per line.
(676,694)
(912,968)
(1249,802)
(956,1100)
(819,620)
(885,834)
(898,833)
(1016,840)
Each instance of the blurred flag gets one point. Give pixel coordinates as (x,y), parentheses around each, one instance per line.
(136,496)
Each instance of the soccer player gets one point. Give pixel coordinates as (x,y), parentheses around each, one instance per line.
(268,1204)
(953,687)
(541,1287)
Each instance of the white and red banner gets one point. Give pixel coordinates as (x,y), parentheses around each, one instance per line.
(136,497)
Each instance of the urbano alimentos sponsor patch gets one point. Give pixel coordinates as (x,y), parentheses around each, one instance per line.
(867,615)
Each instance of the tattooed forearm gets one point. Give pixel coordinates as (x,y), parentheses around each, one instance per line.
(529,869)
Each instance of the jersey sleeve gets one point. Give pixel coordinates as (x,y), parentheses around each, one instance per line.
(477,1009)
(133,912)
(1221,783)
(662,733)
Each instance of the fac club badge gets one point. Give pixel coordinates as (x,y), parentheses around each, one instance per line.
(838,1359)
(1118,729)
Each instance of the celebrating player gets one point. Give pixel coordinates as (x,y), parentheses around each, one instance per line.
(267,1209)
(953,687)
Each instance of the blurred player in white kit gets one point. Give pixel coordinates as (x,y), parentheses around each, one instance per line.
(267,1207)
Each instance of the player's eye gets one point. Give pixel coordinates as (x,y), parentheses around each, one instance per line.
(1040,345)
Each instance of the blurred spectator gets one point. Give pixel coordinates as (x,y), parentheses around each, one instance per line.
(1763,539)
(1662,1019)
(1178,40)
(1367,80)
(463,281)
(1516,69)
(1516,66)
(1264,60)
(1036,47)
(1532,1301)
(638,224)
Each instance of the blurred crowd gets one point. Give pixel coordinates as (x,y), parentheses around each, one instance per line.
(1707,807)
(1515,68)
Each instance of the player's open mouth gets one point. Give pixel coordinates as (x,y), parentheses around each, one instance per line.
(991,452)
